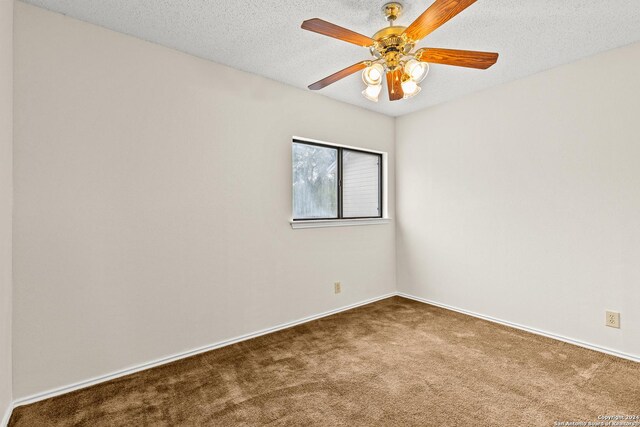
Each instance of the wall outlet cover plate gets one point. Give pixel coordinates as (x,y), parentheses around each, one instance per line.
(613,319)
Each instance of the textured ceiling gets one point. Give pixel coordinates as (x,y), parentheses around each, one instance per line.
(264,37)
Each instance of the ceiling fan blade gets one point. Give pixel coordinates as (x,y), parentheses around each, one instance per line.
(332,30)
(394,85)
(339,75)
(436,15)
(459,58)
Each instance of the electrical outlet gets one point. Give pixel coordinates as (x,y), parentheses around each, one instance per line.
(613,319)
(337,287)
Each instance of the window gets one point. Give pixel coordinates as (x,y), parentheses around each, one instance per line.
(331,182)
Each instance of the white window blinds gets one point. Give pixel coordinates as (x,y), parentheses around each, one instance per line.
(360,184)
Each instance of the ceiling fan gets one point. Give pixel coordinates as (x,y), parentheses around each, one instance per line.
(392,46)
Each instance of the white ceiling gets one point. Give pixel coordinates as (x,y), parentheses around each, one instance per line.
(264,37)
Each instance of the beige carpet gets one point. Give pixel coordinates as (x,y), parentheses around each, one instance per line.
(394,362)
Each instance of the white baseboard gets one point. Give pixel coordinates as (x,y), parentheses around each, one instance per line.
(7,415)
(525,328)
(113,375)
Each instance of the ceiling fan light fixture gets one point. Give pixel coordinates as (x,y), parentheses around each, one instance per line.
(373,74)
(372,92)
(416,70)
(392,49)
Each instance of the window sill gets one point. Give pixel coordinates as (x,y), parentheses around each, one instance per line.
(321,223)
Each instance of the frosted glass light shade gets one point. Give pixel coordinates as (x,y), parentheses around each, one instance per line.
(416,70)
(372,92)
(373,74)
(410,88)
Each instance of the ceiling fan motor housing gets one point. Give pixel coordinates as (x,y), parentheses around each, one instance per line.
(391,45)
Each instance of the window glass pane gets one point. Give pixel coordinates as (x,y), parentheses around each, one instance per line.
(360,184)
(315,181)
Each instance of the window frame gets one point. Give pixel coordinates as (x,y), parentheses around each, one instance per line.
(340,150)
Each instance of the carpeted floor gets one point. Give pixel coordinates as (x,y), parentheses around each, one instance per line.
(393,362)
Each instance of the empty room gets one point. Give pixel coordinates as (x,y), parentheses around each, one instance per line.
(319,213)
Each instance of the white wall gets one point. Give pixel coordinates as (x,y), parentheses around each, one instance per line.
(152,198)
(6,190)
(522,202)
